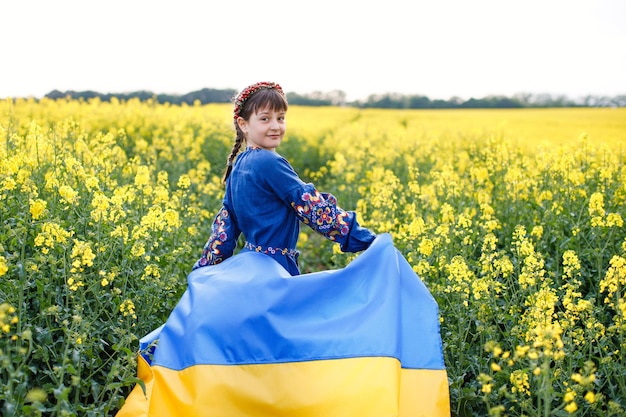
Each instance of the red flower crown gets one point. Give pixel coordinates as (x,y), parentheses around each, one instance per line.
(241,99)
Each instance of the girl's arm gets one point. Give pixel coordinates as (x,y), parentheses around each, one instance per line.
(321,213)
(222,242)
(317,210)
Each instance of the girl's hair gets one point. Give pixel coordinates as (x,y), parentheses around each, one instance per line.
(259,96)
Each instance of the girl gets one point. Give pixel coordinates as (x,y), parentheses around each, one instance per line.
(265,199)
(247,339)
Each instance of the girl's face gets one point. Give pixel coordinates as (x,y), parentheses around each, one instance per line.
(265,129)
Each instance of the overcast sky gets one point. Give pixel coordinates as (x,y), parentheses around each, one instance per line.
(438,48)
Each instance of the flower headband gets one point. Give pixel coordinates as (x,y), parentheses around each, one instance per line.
(248,91)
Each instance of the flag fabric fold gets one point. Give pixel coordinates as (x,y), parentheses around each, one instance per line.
(248,339)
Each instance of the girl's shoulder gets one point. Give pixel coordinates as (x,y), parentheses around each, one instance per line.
(265,157)
(270,169)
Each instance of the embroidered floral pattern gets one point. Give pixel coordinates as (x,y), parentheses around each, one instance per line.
(212,254)
(320,212)
(271,250)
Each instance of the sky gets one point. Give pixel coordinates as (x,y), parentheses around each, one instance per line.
(437,48)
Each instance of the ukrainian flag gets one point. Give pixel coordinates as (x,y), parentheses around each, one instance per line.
(247,339)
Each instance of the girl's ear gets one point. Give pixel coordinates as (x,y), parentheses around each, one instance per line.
(243,125)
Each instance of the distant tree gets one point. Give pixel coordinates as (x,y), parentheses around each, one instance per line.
(441,104)
(55,95)
(523,98)
(338,98)
(141,95)
(619,101)
(492,102)
(307,100)
(455,101)
(473,103)
(419,102)
(209,95)
(386,101)
(318,98)
(168,98)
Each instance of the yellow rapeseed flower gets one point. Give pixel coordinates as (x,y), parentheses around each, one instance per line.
(447,214)
(9,184)
(142,178)
(152,270)
(614,220)
(36,395)
(37,208)
(485,381)
(50,233)
(537,232)
(74,284)
(127,308)
(614,278)
(571,407)
(82,255)
(68,194)
(422,268)
(521,351)
(519,382)
(172,219)
(161,195)
(596,205)
(92,183)
(100,205)
(569,396)
(4,267)
(571,264)
(184,182)
(163,179)
(426,247)
(481,288)
(504,266)
(51,181)
(138,249)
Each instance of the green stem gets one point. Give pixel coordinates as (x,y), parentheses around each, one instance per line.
(545,388)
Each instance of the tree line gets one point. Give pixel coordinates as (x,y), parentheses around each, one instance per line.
(384,101)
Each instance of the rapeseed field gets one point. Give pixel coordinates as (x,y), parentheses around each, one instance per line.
(514,219)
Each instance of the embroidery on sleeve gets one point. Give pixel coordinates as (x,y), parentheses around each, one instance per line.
(320,212)
(211,254)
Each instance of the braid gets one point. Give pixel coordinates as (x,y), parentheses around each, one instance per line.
(233,153)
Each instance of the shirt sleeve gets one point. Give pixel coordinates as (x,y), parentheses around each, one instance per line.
(317,210)
(321,213)
(222,242)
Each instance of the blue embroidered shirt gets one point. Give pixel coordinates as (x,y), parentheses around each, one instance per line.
(266,200)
